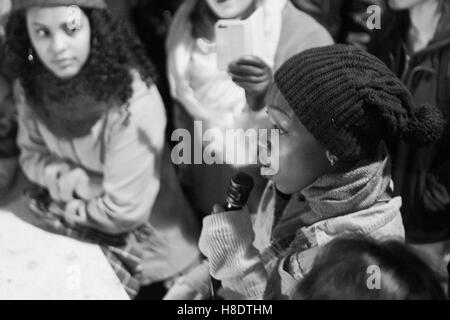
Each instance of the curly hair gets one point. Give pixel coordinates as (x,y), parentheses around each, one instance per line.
(115,49)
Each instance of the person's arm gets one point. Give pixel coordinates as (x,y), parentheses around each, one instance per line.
(131,172)
(36,160)
(227,241)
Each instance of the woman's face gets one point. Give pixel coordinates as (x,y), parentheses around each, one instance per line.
(302,160)
(61,38)
(406,4)
(230,9)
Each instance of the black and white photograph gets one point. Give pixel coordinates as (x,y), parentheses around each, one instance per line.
(224,150)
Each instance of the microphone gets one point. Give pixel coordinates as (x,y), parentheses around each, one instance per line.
(237,196)
(238,191)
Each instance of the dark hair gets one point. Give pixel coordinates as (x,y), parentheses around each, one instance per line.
(115,50)
(341,272)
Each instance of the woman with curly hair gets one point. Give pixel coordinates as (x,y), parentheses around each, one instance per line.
(91,133)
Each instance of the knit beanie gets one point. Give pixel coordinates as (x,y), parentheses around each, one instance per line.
(24,4)
(349,101)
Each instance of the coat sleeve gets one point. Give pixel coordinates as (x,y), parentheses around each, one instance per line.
(35,158)
(131,171)
(227,241)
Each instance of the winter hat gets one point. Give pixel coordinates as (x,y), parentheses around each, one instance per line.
(349,101)
(24,4)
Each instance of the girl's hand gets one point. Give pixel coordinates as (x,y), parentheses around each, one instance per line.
(52,173)
(65,183)
(74,213)
(253,75)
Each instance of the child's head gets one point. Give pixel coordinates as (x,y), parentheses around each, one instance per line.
(230,9)
(301,156)
(361,268)
(334,105)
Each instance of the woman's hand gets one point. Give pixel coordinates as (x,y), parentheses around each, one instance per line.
(253,75)
(75,213)
(65,183)
(226,240)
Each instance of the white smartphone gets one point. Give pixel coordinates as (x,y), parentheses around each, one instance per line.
(230,42)
(236,38)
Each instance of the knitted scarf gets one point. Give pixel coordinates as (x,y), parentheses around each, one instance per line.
(68,107)
(331,196)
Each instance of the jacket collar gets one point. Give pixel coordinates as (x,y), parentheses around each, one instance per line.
(340,193)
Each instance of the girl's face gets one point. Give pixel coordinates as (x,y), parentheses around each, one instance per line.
(406,4)
(61,37)
(302,160)
(230,9)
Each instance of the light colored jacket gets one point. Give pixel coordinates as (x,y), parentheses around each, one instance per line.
(248,257)
(132,181)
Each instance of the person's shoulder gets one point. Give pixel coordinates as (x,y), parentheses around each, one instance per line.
(146,97)
(144,109)
(299,32)
(303,24)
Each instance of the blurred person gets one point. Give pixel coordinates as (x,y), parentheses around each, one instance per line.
(224,99)
(415,44)
(361,268)
(91,135)
(335,107)
(346,20)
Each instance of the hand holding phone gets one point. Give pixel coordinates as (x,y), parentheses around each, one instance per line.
(253,75)
(237,38)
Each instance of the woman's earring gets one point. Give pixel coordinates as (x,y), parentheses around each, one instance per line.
(332,158)
(30,56)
